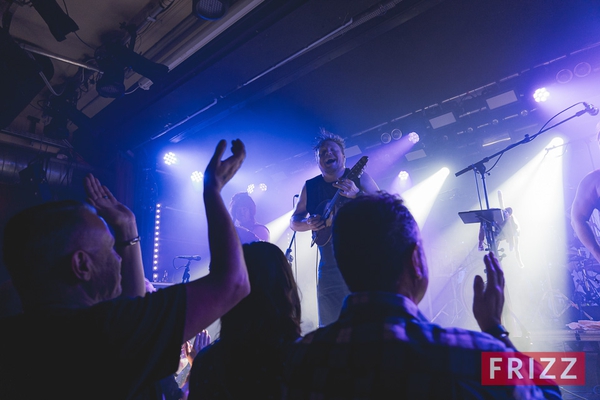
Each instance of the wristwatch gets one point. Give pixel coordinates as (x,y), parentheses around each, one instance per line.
(498,331)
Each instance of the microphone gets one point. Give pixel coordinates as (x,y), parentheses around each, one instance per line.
(590,109)
(195,258)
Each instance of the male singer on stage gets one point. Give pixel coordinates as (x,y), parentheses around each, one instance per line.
(330,156)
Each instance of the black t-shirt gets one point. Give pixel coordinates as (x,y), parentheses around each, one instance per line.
(107,351)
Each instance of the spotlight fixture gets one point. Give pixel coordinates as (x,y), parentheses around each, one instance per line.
(541,95)
(113,58)
(170,158)
(396,134)
(64,107)
(263,187)
(386,138)
(403,175)
(197,176)
(250,188)
(582,69)
(210,9)
(413,137)
(564,76)
(57,127)
(59,23)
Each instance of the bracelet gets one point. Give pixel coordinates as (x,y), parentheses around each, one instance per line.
(498,331)
(130,242)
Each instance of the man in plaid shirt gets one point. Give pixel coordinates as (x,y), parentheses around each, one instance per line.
(382,346)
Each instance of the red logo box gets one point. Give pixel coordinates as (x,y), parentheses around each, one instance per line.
(533,368)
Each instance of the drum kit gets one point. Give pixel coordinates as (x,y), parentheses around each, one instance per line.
(585,271)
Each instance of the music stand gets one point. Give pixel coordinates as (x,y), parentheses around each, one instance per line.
(491,220)
(494,215)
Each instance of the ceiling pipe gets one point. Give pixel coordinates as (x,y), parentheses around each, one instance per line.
(58,172)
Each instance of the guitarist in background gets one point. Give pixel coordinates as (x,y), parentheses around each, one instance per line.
(314,198)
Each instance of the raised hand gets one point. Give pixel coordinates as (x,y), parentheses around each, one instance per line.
(122,221)
(202,340)
(219,172)
(488,299)
(107,206)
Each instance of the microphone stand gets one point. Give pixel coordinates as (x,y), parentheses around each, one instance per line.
(479,167)
(288,252)
(186,273)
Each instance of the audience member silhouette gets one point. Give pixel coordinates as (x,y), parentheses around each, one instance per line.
(243,211)
(246,361)
(382,344)
(82,291)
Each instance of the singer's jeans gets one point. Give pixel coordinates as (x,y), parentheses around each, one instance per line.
(331,288)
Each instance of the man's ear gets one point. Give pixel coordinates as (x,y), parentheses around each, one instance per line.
(81,265)
(417,262)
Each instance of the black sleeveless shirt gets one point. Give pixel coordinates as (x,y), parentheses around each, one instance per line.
(317,191)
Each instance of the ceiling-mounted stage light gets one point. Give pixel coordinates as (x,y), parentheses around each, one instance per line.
(197,176)
(582,69)
(541,95)
(170,158)
(413,137)
(386,138)
(113,57)
(210,9)
(64,107)
(59,23)
(57,127)
(396,134)
(564,76)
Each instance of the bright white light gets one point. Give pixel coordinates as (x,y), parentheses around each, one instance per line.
(403,175)
(541,95)
(170,158)
(557,141)
(158,205)
(197,176)
(250,188)
(420,198)
(263,187)
(413,137)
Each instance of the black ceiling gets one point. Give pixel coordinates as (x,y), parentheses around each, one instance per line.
(413,55)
